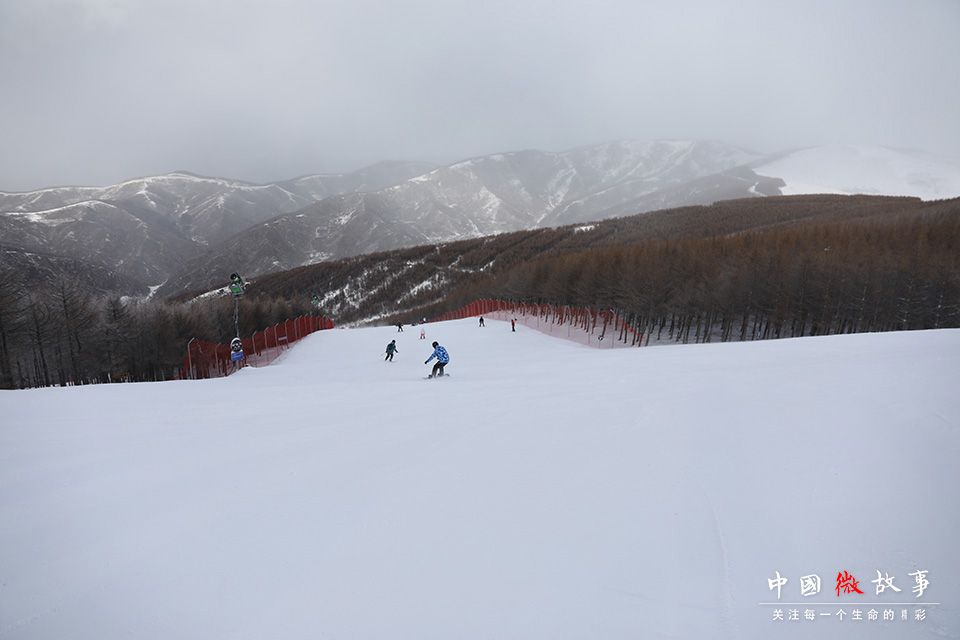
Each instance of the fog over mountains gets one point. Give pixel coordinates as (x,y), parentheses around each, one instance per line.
(188,232)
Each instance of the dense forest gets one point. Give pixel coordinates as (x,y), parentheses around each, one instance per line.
(895,273)
(66,335)
(796,266)
(736,270)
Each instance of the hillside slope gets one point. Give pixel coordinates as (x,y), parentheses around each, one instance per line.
(146,228)
(507,192)
(402,280)
(183,228)
(544,490)
(861,169)
(487,195)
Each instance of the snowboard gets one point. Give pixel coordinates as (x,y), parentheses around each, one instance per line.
(446,375)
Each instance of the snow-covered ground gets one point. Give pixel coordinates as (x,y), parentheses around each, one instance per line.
(861,169)
(544,490)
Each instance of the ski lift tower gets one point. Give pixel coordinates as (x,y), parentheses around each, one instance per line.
(237,288)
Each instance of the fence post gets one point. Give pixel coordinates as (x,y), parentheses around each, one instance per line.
(190,360)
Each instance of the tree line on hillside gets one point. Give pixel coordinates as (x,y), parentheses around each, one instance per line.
(859,276)
(408,284)
(865,274)
(63,335)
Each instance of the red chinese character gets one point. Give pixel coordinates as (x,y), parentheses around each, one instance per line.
(848,583)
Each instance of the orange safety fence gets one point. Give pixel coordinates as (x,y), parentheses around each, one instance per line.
(212,359)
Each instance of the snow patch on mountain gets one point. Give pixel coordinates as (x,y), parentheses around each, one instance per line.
(426,177)
(434,282)
(67,213)
(318,256)
(871,170)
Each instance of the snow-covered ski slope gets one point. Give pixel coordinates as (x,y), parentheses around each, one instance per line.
(872,170)
(544,490)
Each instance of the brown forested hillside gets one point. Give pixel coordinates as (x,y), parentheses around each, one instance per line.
(792,265)
(749,269)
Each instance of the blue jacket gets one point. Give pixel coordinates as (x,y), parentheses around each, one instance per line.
(440,354)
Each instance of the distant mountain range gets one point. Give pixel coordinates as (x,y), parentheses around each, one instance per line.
(146,228)
(188,232)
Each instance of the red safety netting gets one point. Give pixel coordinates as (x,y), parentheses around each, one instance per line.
(593,327)
(211,359)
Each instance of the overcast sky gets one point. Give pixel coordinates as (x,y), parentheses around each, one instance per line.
(94,91)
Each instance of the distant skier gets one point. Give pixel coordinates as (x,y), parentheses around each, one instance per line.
(443,358)
(513,325)
(423,333)
(391,349)
(399,327)
(481,321)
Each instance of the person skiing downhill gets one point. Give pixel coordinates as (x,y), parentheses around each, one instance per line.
(443,358)
(481,321)
(391,349)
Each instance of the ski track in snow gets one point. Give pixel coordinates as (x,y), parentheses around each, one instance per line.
(545,490)
(726,588)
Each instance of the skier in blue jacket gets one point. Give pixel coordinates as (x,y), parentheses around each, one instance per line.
(443,358)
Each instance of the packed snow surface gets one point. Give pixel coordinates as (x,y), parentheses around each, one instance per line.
(544,490)
(871,170)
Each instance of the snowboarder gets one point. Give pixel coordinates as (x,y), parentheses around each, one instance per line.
(481,321)
(391,349)
(443,358)
(399,327)
(513,325)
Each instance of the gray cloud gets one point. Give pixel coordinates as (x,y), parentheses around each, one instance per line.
(98,90)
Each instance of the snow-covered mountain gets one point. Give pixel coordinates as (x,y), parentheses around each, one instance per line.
(145,228)
(207,209)
(133,241)
(190,229)
(488,195)
(530,189)
(868,170)
(202,208)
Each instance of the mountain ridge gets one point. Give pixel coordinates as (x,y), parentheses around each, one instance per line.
(183,228)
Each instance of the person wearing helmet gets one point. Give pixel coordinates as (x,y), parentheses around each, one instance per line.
(443,358)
